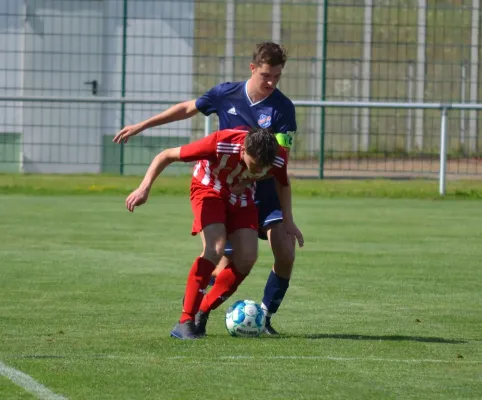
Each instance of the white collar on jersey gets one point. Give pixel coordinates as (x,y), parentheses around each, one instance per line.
(249,99)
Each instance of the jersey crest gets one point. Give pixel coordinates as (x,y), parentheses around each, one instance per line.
(264,121)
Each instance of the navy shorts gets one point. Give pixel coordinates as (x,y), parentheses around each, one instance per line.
(269,209)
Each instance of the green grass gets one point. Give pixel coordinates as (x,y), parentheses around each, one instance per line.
(384,303)
(179,185)
(9,390)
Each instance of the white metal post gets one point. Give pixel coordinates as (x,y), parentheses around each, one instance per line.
(207,125)
(314,113)
(276,18)
(276,26)
(463,82)
(21,50)
(222,68)
(230,33)
(443,151)
(315,144)
(300,103)
(421,54)
(474,71)
(408,138)
(356,111)
(366,73)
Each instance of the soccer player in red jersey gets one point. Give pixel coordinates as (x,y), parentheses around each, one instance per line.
(225,158)
(255,102)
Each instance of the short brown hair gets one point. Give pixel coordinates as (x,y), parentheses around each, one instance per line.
(262,145)
(269,53)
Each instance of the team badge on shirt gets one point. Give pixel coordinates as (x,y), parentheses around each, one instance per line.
(264,121)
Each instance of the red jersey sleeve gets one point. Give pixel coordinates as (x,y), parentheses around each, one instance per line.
(280,167)
(201,149)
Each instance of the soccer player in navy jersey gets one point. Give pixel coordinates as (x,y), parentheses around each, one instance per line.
(251,103)
(224,158)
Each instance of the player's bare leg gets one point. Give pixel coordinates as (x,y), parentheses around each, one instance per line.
(214,239)
(225,260)
(245,253)
(245,249)
(283,248)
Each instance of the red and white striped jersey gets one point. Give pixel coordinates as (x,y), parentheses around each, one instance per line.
(220,165)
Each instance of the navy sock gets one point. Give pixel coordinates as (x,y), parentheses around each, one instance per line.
(274,292)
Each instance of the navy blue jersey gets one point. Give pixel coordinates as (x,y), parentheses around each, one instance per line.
(234,108)
(230,101)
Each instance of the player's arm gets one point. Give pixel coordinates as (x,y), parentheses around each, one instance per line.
(178,112)
(284,195)
(286,127)
(198,150)
(158,164)
(283,189)
(207,104)
(285,140)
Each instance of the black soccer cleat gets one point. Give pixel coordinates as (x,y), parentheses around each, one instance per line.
(201,320)
(184,331)
(269,330)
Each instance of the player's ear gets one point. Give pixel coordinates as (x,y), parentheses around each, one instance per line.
(244,153)
(252,67)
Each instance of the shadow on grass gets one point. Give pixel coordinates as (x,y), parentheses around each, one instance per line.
(396,338)
(353,336)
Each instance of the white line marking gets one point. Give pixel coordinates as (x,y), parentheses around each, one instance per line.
(28,383)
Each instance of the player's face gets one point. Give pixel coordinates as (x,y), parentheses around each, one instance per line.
(265,77)
(251,164)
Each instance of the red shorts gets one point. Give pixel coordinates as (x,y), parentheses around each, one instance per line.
(210,208)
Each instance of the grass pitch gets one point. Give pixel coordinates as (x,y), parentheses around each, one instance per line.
(384,303)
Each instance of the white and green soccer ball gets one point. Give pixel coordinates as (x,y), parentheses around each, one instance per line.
(245,318)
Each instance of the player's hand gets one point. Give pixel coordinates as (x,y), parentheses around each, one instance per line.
(239,188)
(127,132)
(136,199)
(292,230)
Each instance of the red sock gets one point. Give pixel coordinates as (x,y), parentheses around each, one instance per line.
(197,281)
(226,284)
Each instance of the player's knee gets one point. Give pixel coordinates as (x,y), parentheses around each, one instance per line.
(284,254)
(245,259)
(284,260)
(224,262)
(283,269)
(214,253)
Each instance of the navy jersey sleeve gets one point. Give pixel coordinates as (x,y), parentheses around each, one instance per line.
(208,102)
